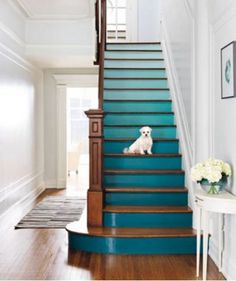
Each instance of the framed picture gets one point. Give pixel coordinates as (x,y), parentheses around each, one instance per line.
(228,71)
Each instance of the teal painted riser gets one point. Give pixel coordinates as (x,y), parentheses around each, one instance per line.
(158,146)
(165,220)
(140,119)
(149,106)
(140,163)
(143,180)
(133,55)
(126,73)
(134,47)
(137,94)
(132,246)
(146,199)
(133,132)
(141,84)
(133,64)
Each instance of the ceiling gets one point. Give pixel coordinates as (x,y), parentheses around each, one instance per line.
(56,9)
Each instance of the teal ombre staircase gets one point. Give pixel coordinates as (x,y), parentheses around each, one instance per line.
(145,207)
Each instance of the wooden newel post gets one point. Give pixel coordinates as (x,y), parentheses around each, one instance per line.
(95,192)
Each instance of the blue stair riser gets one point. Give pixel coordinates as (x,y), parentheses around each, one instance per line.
(140,84)
(140,163)
(158,146)
(132,246)
(146,198)
(133,64)
(165,220)
(151,119)
(135,73)
(137,94)
(129,106)
(133,55)
(143,180)
(133,132)
(133,47)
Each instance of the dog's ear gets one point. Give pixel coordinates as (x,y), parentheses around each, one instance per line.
(150,129)
(141,130)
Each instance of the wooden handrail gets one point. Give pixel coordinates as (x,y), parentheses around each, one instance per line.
(102,48)
(95,192)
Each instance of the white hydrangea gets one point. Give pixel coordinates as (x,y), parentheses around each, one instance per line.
(211,170)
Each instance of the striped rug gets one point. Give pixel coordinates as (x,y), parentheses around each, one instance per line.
(53,212)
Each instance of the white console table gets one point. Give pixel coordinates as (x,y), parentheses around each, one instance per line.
(224,203)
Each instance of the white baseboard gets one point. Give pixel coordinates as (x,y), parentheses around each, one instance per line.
(37,187)
(61,184)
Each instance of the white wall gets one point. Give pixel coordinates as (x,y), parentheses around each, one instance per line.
(178,19)
(50,124)
(223,22)
(21,114)
(148,20)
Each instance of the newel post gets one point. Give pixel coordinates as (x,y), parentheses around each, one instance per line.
(95,192)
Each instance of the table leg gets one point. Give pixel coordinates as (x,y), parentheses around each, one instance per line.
(221,229)
(198,240)
(205,243)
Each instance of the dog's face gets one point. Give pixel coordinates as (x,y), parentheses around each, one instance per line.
(145,131)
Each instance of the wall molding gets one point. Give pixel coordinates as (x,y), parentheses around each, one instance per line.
(19,184)
(11,34)
(17,59)
(181,118)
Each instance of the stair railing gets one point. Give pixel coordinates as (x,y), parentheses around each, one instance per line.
(95,192)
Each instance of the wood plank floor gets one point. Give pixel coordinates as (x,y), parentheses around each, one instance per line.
(43,255)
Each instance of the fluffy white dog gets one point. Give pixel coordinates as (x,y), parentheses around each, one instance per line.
(142,144)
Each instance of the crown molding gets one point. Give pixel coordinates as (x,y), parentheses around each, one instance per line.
(50,17)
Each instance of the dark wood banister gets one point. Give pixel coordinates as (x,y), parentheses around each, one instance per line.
(95,192)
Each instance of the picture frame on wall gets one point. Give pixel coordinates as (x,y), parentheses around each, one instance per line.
(228,71)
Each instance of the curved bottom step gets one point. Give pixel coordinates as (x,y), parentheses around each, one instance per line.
(131,241)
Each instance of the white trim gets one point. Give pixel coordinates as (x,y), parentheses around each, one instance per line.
(52,17)
(189,8)
(11,34)
(77,80)
(17,59)
(181,118)
(18,184)
(18,8)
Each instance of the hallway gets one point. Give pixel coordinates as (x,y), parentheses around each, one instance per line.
(43,254)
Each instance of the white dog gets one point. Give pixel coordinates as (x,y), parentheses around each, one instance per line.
(142,144)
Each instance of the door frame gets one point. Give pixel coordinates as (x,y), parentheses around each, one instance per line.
(64,81)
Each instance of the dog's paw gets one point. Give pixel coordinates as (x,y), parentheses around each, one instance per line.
(149,153)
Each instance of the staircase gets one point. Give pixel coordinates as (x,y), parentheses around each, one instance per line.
(145,204)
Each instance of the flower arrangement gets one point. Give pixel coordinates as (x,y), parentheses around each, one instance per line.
(212,173)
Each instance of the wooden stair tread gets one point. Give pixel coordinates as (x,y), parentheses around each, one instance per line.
(137,172)
(125,112)
(135,78)
(136,68)
(137,89)
(139,100)
(141,125)
(147,209)
(133,139)
(143,190)
(132,59)
(141,155)
(145,51)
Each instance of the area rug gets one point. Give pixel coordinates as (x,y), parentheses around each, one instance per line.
(53,212)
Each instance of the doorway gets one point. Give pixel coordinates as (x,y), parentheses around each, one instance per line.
(78,101)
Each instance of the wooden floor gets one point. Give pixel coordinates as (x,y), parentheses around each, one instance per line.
(43,254)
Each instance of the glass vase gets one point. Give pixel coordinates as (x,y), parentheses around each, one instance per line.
(214,188)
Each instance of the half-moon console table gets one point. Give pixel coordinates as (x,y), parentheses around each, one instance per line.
(224,203)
